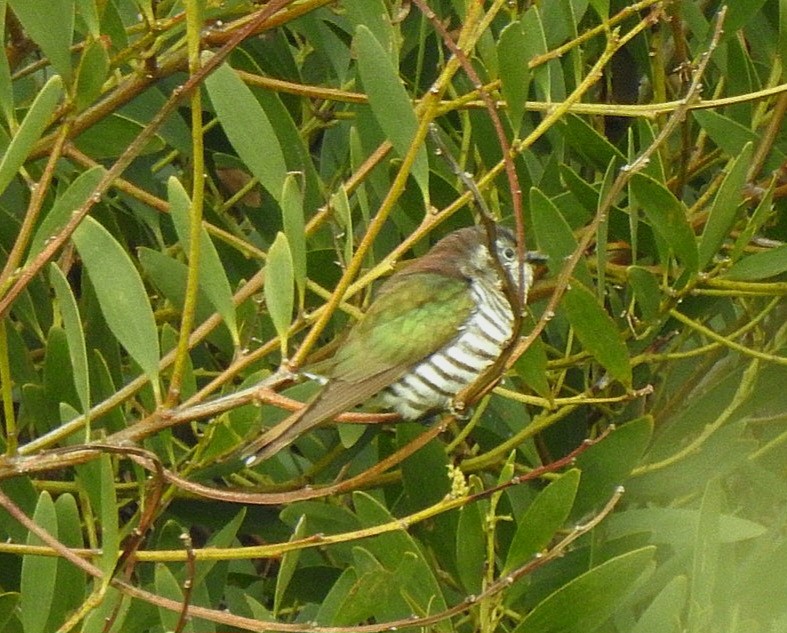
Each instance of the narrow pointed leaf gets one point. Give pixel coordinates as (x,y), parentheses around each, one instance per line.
(760,265)
(391,107)
(514,71)
(9,605)
(51,26)
(295,230)
(93,70)
(543,518)
(30,130)
(390,548)
(288,565)
(728,134)
(212,279)
(340,204)
(646,291)
(554,236)
(668,217)
(121,295)
(70,579)
(72,323)
(89,13)
(535,43)
(248,128)
(756,220)
(597,333)
(725,207)
(6,94)
(279,285)
(471,547)
(222,539)
(707,559)
(108,512)
(39,573)
(606,465)
(532,366)
(663,615)
(72,198)
(167,586)
(585,603)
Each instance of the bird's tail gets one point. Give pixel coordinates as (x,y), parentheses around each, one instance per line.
(280,436)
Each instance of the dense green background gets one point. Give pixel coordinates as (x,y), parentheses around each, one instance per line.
(305,148)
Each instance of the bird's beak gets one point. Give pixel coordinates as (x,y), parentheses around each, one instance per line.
(536,257)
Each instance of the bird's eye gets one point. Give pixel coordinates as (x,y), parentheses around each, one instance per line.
(508,253)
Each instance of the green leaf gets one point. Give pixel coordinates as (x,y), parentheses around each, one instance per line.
(514,71)
(111,136)
(390,548)
(705,565)
(60,213)
(72,323)
(535,43)
(597,332)
(70,578)
(538,525)
(663,615)
(606,465)
(222,539)
(554,236)
(6,87)
(668,216)
(279,287)
(646,291)
(121,295)
(471,547)
(9,606)
(248,128)
(89,13)
(423,472)
(585,603)
(729,135)
(167,586)
(532,366)
(59,384)
(389,102)
(725,207)
(678,527)
(38,583)
(758,218)
(93,71)
(295,230)
(31,129)
(212,279)
(51,26)
(288,565)
(760,265)
(601,7)
(169,276)
(108,506)
(339,599)
(591,145)
(374,15)
(340,205)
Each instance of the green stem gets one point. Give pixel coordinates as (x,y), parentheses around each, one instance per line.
(193,28)
(7,393)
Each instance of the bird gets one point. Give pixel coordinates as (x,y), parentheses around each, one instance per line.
(431,330)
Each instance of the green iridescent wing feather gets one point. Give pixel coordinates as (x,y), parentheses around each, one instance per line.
(412,317)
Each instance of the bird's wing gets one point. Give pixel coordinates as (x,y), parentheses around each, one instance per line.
(412,317)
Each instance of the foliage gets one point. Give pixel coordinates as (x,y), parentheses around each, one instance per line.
(198,195)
